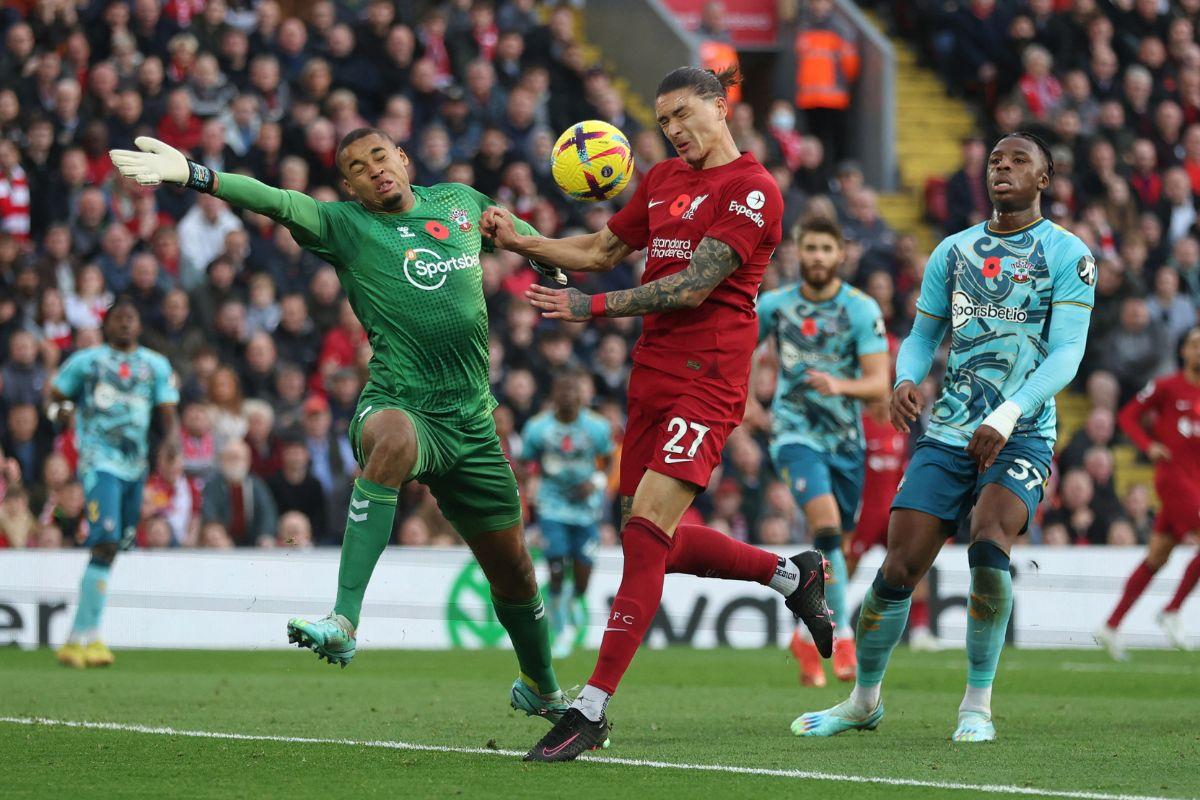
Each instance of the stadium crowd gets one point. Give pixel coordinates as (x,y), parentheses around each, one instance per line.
(269,357)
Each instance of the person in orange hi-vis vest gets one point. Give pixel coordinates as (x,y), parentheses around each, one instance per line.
(827,66)
(717,56)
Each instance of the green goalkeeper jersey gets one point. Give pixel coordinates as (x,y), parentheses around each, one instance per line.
(413,279)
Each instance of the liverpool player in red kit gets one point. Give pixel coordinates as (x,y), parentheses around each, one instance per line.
(1173,444)
(710,221)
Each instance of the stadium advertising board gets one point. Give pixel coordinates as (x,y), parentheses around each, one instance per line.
(427,598)
(751,23)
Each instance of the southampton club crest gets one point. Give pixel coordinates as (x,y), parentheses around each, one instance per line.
(1020,271)
(460,218)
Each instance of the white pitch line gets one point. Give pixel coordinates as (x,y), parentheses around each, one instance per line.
(628,762)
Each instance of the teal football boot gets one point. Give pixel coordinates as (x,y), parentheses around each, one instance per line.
(839,719)
(974,726)
(331,637)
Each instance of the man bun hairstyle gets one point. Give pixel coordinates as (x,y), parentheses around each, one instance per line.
(706,83)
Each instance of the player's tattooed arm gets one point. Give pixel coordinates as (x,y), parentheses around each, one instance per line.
(626,510)
(713,262)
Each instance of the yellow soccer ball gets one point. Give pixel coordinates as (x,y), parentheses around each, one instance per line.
(592,161)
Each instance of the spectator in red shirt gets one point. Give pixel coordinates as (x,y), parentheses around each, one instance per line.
(180,127)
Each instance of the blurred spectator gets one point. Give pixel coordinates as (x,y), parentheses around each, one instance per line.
(265,448)
(332,461)
(1136,350)
(295,531)
(173,497)
(966,193)
(827,66)
(1097,432)
(17,523)
(295,489)
(202,237)
(239,501)
(22,378)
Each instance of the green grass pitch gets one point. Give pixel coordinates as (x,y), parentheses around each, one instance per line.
(1069,722)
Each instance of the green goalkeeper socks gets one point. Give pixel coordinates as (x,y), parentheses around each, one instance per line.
(529,631)
(368,530)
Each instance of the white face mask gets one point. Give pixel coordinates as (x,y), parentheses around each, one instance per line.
(783,121)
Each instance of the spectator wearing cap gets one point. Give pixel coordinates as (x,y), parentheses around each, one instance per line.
(329,454)
(295,489)
(238,500)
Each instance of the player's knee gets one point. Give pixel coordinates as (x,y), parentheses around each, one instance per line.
(900,572)
(104,553)
(557,569)
(991,530)
(390,460)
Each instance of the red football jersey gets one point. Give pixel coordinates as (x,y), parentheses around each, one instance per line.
(1175,404)
(675,207)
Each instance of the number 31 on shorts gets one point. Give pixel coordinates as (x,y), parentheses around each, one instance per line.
(1022,469)
(679,428)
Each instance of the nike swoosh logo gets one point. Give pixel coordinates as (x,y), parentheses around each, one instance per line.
(654,203)
(550,752)
(671,460)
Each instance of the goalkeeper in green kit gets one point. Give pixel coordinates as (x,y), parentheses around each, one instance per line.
(408,258)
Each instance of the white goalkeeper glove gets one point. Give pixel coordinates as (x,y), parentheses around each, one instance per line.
(158,162)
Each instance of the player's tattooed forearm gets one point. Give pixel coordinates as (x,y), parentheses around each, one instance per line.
(713,262)
(579,304)
(626,510)
(614,249)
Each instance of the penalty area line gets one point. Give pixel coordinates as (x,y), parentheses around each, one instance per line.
(796,774)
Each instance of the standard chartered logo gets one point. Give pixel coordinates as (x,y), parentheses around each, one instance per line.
(963,309)
(427,270)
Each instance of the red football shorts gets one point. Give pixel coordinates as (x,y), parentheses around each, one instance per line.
(872,526)
(1180,512)
(677,426)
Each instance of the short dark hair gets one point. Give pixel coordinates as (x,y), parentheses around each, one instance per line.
(356,134)
(818,225)
(122,301)
(1039,143)
(706,83)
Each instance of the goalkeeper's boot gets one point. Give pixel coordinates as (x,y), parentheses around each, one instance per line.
(845,658)
(71,655)
(574,734)
(1172,626)
(97,654)
(524,697)
(839,719)
(331,637)
(974,726)
(1110,640)
(808,604)
(812,668)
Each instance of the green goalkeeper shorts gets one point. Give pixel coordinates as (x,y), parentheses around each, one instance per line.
(462,463)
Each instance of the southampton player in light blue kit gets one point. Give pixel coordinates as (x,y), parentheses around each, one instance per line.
(572,447)
(832,354)
(1016,293)
(114,388)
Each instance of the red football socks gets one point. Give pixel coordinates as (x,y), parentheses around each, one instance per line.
(645,546)
(1191,575)
(918,615)
(708,553)
(1134,587)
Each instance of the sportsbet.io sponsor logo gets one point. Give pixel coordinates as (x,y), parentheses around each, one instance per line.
(427,270)
(963,310)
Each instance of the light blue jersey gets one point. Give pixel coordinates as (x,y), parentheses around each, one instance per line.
(828,336)
(998,294)
(115,395)
(567,453)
